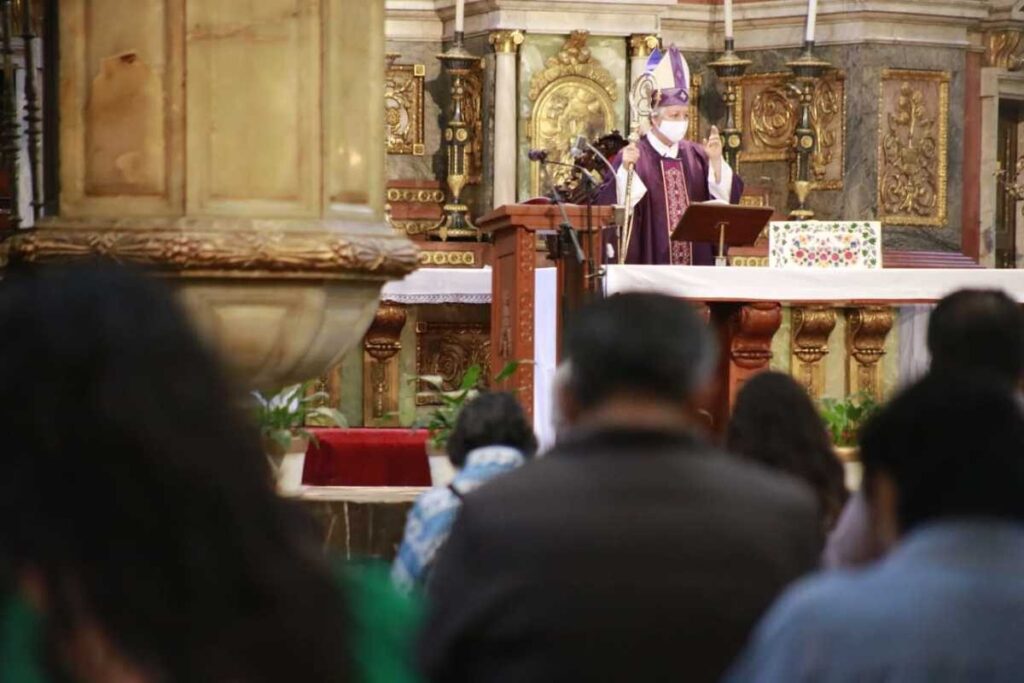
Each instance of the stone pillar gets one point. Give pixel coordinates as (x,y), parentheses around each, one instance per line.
(506,49)
(268,219)
(640,48)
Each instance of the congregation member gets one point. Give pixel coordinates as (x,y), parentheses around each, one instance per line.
(632,550)
(491,437)
(140,530)
(944,477)
(978,332)
(775,423)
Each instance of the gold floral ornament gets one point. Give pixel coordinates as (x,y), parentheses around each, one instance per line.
(912,173)
(573,95)
(403,106)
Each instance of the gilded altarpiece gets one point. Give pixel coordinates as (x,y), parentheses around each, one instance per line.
(573,95)
(913,114)
(767,110)
(403,106)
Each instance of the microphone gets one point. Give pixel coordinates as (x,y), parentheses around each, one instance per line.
(579,147)
(540,155)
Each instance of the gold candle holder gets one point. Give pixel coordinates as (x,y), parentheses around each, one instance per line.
(456,223)
(807,70)
(730,67)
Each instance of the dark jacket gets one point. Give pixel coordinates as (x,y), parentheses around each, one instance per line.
(621,556)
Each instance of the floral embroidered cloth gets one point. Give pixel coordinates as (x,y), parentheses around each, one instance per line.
(825,244)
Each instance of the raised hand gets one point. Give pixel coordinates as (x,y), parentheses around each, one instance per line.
(713,147)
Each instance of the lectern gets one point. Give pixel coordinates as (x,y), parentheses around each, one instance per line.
(518,234)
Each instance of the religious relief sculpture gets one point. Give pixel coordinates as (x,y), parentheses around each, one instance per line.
(403,106)
(912,146)
(767,107)
(448,350)
(573,95)
(471,107)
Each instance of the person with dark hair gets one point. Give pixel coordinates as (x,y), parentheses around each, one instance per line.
(138,515)
(947,603)
(977,332)
(491,436)
(974,331)
(631,551)
(775,423)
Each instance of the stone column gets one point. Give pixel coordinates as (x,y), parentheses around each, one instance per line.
(506,48)
(640,48)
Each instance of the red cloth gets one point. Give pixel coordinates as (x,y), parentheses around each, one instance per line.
(367,457)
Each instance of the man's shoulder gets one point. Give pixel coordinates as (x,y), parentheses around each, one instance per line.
(694,148)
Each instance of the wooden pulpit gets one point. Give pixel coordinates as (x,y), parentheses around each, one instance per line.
(518,233)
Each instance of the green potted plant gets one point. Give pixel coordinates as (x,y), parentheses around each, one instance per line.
(440,421)
(282,420)
(844,419)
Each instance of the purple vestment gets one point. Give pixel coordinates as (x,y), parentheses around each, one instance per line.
(672,185)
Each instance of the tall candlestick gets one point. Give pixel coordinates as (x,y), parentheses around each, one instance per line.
(812,14)
(728,19)
(460,15)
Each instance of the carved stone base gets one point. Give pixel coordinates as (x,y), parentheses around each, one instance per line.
(281,299)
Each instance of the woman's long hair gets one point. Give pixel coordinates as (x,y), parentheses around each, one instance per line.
(775,423)
(134,487)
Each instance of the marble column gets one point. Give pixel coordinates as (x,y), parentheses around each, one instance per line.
(640,48)
(506,48)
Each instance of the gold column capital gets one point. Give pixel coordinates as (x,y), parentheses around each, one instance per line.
(506,40)
(1003,48)
(643,44)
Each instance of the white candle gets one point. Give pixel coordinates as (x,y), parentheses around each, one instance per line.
(728,19)
(812,13)
(460,15)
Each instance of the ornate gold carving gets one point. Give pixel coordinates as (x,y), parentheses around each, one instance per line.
(767,108)
(403,106)
(448,350)
(748,261)
(812,326)
(643,44)
(380,371)
(573,95)
(1003,48)
(506,41)
(421,196)
(866,330)
(693,130)
(471,107)
(912,147)
(206,253)
(447,259)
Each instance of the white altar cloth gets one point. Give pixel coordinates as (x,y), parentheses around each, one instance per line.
(806,285)
(441,286)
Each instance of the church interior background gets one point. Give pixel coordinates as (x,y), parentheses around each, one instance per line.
(283,159)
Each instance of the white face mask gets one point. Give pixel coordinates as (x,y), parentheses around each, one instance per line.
(674,130)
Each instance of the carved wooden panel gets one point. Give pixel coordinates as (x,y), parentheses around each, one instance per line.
(866,332)
(403,106)
(258,63)
(121,107)
(448,350)
(767,111)
(913,111)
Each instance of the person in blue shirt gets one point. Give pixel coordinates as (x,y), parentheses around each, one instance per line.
(491,436)
(944,470)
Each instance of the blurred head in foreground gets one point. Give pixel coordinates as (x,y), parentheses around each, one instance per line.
(136,508)
(775,423)
(948,447)
(638,359)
